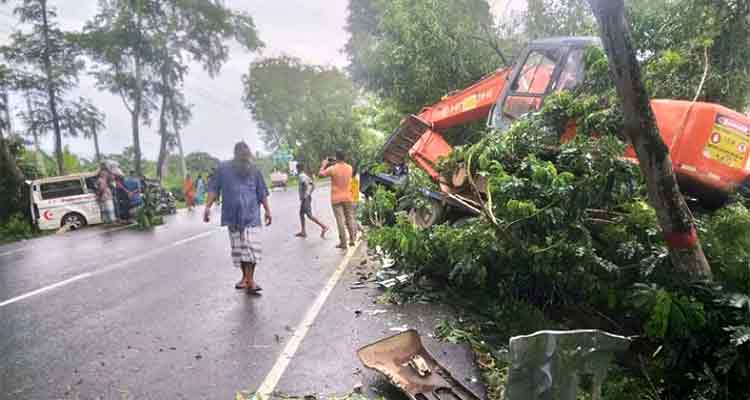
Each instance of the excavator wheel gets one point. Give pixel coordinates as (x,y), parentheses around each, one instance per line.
(428,216)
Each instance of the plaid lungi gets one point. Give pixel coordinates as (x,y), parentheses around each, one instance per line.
(246,245)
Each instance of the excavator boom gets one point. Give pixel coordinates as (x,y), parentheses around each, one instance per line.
(417,135)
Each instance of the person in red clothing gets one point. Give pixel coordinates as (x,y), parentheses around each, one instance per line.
(341,197)
(188,189)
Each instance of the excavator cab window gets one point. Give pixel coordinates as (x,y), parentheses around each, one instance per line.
(543,71)
(573,72)
(531,83)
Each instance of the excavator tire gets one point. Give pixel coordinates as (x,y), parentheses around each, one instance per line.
(429,216)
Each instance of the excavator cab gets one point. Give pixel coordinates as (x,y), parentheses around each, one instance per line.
(545,67)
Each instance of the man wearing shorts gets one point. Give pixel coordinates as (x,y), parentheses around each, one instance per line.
(306,188)
(243,190)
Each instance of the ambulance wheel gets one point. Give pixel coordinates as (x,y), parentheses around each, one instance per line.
(74,220)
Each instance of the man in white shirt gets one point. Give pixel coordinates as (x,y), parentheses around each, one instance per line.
(306,188)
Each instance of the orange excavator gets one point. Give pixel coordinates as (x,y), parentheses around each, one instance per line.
(709,144)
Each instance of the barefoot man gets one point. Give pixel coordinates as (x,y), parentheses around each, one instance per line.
(243,190)
(306,188)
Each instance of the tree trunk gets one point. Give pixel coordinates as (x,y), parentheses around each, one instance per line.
(163,150)
(674,216)
(176,125)
(97,151)
(38,158)
(51,95)
(135,116)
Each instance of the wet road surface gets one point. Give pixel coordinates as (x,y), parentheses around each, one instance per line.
(113,313)
(154,315)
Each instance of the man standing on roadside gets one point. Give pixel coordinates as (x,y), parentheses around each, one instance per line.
(243,190)
(306,188)
(341,196)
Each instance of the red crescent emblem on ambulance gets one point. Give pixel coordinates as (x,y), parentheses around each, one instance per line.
(47,215)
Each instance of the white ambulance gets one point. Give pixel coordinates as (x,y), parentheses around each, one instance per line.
(65,200)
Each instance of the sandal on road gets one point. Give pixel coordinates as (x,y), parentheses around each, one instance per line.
(341,246)
(240,285)
(256,290)
(301,235)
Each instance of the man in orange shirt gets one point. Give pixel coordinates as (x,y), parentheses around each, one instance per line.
(341,197)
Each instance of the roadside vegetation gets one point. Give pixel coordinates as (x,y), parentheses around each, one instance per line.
(567,237)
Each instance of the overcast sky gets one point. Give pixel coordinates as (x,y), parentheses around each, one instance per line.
(312,30)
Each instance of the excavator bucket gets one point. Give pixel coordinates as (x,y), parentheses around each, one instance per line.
(408,365)
(402,139)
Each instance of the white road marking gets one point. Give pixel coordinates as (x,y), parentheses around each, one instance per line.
(109,268)
(45,289)
(11,252)
(272,379)
(196,237)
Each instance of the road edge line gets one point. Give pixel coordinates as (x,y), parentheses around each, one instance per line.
(273,377)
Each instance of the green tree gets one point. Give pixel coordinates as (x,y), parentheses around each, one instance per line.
(91,122)
(415,51)
(308,109)
(11,177)
(201,162)
(72,162)
(192,31)
(120,40)
(48,62)
(273,88)
(679,41)
(548,18)
(142,47)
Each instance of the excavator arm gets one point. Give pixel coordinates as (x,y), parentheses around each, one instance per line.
(419,136)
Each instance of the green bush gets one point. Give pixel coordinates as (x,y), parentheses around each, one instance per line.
(16,228)
(147,216)
(379,209)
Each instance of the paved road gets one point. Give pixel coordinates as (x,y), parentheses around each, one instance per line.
(153,315)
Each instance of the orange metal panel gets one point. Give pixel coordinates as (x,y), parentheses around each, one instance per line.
(470,104)
(428,150)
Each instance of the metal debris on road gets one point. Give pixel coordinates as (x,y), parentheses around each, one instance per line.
(387,357)
(391,282)
(418,363)
(549,364)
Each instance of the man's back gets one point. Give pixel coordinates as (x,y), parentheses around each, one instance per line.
(341,180)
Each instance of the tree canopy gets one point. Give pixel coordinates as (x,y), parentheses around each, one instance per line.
(47,61)
(309,109)
(415,51)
